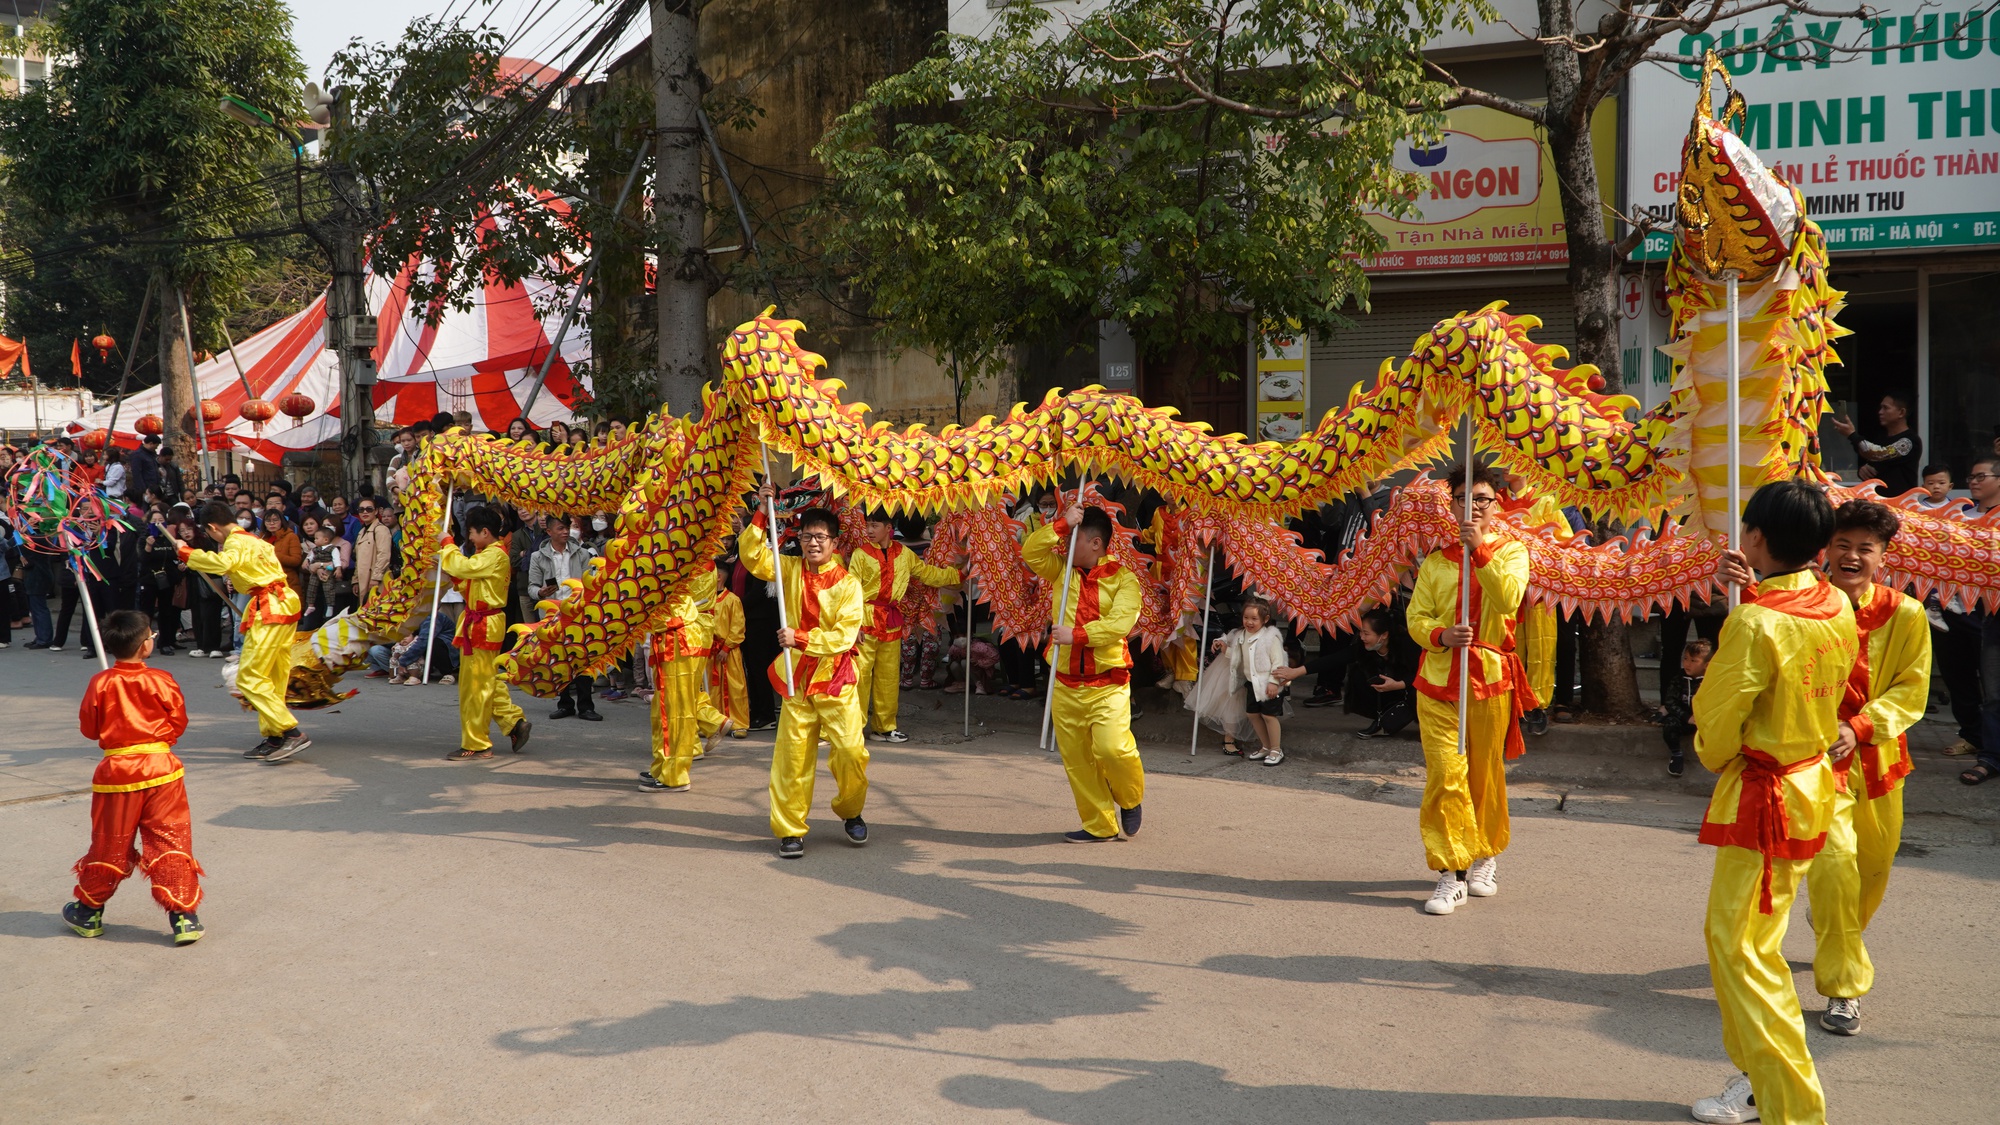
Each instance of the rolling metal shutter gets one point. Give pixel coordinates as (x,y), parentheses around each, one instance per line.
(1399,318)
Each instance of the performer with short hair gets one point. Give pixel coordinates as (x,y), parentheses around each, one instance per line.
(824,609)
(681,713)
(483,699)
(1886,696)
(1463,819)
(1091,670)
(136,714)
(884,568)
(1765,716)
(270,622)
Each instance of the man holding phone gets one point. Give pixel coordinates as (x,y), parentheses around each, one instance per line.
(559,559)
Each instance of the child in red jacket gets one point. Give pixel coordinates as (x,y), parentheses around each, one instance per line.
(136,713)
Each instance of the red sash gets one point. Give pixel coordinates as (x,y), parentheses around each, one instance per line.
(1878,779)
(262,608)
(1761,824)
(472,629)
(1513,676)
(885,613)
(1080,670)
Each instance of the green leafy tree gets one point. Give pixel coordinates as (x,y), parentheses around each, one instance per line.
(123,162)
(1199,169)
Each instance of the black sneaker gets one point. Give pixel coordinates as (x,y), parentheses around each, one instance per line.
(1322,699)
(1842,1017)
(88,655)
(35,645)
(186,928)
(563,713)
(1676,763)
(290,743)
(590,715)
(1081,837)
(1128,821)
(768,724)
(87,921)
(518,737)
(791,847)
(263,749)
(857,829)
(650,784)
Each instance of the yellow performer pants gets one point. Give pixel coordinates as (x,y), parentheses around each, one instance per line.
(262,671)
(1538,649)
(483,700)
(681,716)
(802,721)
(726,684)
(1183,661)
(1464,814)
(1094,735)
(878,665)
(1846,884)
(1761,1025)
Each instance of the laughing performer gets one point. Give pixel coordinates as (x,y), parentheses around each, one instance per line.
(884,568)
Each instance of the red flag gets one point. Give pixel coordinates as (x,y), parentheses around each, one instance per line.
(11,352)
(76,359)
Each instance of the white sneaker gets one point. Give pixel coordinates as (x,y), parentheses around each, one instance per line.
(218,654)
(1449,893)
(1734,1104)
(1483,879)
(447,679)
(198,653)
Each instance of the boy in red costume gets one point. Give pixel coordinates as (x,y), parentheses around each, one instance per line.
(136,713)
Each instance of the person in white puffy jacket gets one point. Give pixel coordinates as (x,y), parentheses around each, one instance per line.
(1242,691)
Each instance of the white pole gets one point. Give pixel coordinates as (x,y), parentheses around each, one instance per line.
(1062,607)
(1465,593)
(437,589)
(90,614)
(1201,642)
(1735,438)
(778,563)
(970,605)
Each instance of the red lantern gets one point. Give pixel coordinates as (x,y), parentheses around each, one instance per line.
(211,413)
(257,412)
(150,425)
(90,439)
(298,407)
(103,344)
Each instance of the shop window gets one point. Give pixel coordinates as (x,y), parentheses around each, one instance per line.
(1965,367)
(1880,358)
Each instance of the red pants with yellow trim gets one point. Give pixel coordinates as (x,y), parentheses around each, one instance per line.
(802,721)
(878,671)
(1464,812)
(727,688)
(681,716)
(1761,1026)
(159,820)
(1846,884)
(1094,735)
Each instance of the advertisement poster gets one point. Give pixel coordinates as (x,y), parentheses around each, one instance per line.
(1889,126)
(1491,201)
(1281,390)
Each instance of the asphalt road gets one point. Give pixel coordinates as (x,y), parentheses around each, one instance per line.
(392,938)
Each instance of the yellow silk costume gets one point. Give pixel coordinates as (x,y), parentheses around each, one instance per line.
(1764,717)
(1463,817)
(1538,621)
(270,622)
(821,702)
(1887,694)
(1091,692)
(726,685)
(483,699)
(682,714)
(884,575)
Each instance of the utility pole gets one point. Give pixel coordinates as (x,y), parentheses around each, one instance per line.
(351,331)
(679,210)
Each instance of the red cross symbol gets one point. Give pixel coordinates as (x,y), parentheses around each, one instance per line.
(1631,297)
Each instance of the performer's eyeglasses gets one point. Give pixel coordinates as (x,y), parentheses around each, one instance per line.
(1477,501)
(815,537)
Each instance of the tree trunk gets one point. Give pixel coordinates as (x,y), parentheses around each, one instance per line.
(679,211)
(1610,679)
(177,393)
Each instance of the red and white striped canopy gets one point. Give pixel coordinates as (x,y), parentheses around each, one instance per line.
(482,360)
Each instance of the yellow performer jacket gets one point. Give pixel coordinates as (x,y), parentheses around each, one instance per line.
(728,621)
(690,630)
(1888,689)
(885,576)
(251,565)
(1103,603)
(1500,577)
(826,605)
(482,579)
(1766,714)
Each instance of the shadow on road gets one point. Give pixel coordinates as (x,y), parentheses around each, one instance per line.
(1150,1091)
